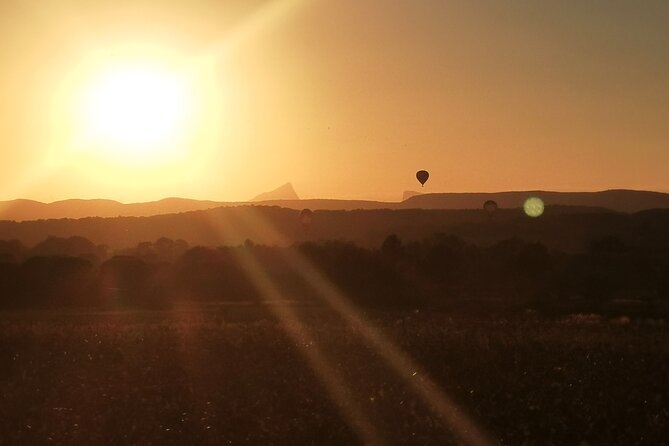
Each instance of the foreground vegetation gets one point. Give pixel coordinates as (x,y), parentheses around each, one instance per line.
(611,277)
(229,375)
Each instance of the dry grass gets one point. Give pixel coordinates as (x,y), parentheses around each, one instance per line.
(233,376)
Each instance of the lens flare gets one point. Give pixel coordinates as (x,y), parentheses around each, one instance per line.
(533,207)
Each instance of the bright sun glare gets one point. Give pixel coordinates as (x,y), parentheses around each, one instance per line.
(137,117)
(138,111)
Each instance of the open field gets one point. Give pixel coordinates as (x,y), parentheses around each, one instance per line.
(233,375)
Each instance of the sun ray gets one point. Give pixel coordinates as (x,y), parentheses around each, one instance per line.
(454,417)
(301,336)
(266,16)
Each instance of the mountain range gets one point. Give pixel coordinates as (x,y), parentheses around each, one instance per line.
(567,228)
(617,200)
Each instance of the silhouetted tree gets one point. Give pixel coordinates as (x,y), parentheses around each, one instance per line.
(608,245)
(212,274)
(12,251)
(57,280)
(74,246)
(9,284)
(443,260)
(125,279)
(392,246)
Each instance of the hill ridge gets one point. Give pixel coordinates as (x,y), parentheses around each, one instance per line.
(622,200)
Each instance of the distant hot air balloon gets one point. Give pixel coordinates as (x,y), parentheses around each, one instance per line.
(422,176)
(306,217)
(490,207)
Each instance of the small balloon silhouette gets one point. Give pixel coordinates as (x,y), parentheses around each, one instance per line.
(422,176)
(490,206)
(306,217)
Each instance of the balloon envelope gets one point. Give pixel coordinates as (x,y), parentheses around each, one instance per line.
(306,216)
(422,176)
(490,206)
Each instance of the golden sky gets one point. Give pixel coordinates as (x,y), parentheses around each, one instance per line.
(345,98)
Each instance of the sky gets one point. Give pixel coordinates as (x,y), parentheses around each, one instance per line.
(344,99)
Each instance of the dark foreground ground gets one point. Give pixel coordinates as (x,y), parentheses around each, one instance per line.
(234,376)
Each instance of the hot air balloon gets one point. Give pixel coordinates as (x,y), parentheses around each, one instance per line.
(422,176)
(490,206)
(306,217)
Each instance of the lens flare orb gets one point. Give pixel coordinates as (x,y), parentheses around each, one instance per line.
(533,207)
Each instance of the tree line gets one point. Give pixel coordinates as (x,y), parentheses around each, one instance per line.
(438,271)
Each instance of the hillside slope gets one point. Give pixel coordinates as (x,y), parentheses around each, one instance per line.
(616,200)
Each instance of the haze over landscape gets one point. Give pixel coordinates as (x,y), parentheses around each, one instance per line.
(345,100)
(347,222)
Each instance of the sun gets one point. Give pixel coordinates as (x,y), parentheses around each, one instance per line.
(135,110)
(139,116)
(131,105)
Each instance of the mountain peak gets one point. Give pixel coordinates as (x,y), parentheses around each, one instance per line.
(284,192)
(410,193)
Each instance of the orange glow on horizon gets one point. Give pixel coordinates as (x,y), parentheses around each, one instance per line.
(225,100)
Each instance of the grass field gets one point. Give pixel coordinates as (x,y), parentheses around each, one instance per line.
(230,375)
